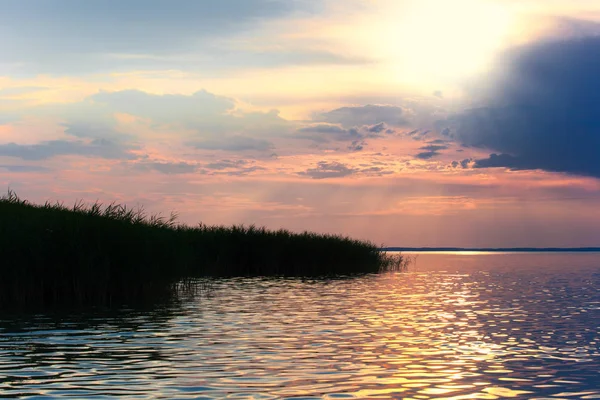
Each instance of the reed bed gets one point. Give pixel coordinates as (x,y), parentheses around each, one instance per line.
(98,254)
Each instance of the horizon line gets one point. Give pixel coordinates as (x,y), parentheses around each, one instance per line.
(494,249)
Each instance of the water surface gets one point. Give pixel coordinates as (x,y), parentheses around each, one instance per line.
(457,326)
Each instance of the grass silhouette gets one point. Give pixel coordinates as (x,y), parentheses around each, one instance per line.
(104,255)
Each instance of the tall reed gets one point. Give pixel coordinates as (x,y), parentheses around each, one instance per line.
(111,254)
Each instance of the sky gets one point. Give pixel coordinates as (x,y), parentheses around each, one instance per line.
(470,123)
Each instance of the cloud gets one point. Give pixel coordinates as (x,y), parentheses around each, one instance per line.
(20,90)
(167,108)
(501,160)
(24,168)
(208,114)
(225,164)
(109,124)
(270,58)
(202,120)
(5,119)
(96,148)
(324,132)
(242,171)
(326,169)
(335,169)
(378,128)
(232,168)
(73,37)
(418,134)
(357,145)
(431,151)
(543,110)
(433,147)
(567,27)
(98,131)
(426,155)
(349,117)
(438,141)
(171,168)
(466,163)
(83,36)
(223,167)
(234,143)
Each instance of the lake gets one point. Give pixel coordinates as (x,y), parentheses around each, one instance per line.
(460,326)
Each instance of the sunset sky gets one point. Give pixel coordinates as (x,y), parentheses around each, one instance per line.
(406,122)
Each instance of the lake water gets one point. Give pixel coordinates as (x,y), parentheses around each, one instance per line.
(456,326)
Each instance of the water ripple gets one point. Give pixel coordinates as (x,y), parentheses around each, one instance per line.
(482,327)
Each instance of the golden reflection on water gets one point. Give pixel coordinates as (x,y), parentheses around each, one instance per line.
(458,327)
(457,253)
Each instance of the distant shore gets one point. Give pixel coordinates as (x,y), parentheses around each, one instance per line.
(496,249)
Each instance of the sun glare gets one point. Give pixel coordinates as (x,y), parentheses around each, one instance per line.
(444,40)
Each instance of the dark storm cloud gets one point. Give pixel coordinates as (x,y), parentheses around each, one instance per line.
(565,27)
(369,114)
(96,148)
(545,112)
(504,160)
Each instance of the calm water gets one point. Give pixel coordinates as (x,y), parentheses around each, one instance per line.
(457,326)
